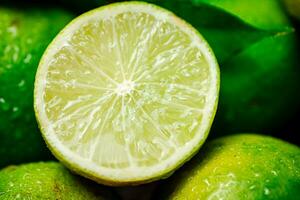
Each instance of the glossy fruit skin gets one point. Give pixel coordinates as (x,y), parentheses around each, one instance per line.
(243,166)
(47,180)
(25,33)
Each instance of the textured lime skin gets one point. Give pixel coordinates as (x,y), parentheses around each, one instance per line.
(24,33)
(47,180)
(245,166)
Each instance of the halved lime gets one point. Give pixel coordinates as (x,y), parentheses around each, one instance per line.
(126,93)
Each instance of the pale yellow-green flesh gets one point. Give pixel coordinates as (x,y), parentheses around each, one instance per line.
(128,91)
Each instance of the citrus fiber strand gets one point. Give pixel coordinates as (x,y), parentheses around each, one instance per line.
(145,42)
(75,102)
(118,48)
(122,113)
(172,144)
(89,121)
(91,65)
(167,50)
(54,102)
(108,114)
(134,58)
(127,148)
(166,103)
(181,86)
(157,66)
(62,91)
(153,123)
(82,85)
(83,109)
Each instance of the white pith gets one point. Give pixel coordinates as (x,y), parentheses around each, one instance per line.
(122,89)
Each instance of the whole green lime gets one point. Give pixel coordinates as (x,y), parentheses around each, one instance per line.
(24,35)
(245,166)
(47,180)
